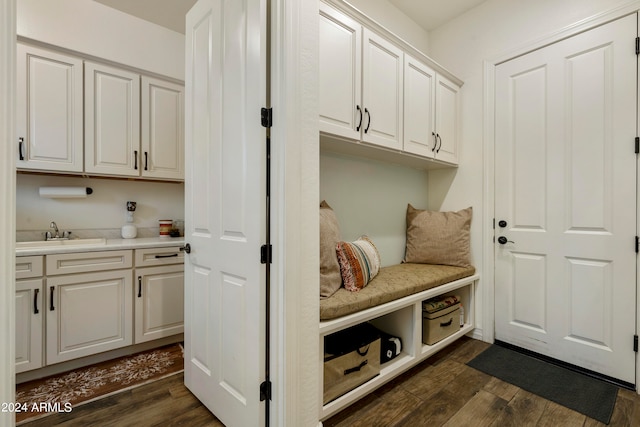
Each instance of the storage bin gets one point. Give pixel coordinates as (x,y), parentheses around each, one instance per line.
(351,358)
(437,325)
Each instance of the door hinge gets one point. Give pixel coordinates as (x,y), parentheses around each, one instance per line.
(637,244)
(637,45)
(635,343)
(637,144)
(266,115)
(494,223)
(265,254)
(265,390)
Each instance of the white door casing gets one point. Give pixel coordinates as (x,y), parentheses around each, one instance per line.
(224,201)
(565,173)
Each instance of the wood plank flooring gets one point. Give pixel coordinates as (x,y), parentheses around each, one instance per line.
(441,391)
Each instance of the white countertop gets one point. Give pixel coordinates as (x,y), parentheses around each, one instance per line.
(109,245)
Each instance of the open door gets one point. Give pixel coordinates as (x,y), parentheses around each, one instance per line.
(225,208)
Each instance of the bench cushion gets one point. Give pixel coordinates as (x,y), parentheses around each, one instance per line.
(391,283)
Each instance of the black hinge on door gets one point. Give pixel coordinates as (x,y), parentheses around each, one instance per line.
(635,343)
(637,244)
(637,144)
(266,116)
(265,391)
(637,45)
(265,254)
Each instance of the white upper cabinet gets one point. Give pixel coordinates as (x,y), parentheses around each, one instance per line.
(447,122)
(162,129)
(378,91)
(340,82)
(112,120)
(360,81)
(419,108)
(49,110)
(382,95)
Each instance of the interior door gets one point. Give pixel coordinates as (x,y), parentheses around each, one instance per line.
(565,189)
(224,207)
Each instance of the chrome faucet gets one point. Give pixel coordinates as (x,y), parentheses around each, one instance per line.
(50,236)
(55,227)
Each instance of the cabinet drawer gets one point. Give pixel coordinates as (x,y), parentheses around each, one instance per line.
(88,261)
(159,256)
(29,266)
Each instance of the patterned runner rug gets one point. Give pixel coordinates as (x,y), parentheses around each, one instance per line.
(63,392)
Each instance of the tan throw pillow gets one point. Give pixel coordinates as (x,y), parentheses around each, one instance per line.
(438,237)
(330,278)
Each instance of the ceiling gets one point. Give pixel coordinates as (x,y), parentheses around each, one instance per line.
(429,14)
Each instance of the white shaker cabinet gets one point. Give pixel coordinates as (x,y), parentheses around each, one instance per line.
(360,82)
(162,129)
(159,293)
(49,110)
(90,309)
(447,119)
(29,330)
(419,108)
(112,120)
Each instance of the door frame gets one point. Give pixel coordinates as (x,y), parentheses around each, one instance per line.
(488,197)
(7,214)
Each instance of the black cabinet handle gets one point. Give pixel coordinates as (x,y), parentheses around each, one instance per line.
(36,291)
(146,160)
(21,148)
(435,142)
(167,256)
(360,122)
(135,159)
(51,306)
(139,286)
(369,120)
(439,139)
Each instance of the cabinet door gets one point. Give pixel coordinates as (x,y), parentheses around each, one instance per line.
(419,108)
(159,302)
(340,82)
(29,324)
(88,313)
(162,129)
(112,121)
(382,91)
(49,110)
(447,122)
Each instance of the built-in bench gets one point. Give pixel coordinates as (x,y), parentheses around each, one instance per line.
(392,302)
(391,283)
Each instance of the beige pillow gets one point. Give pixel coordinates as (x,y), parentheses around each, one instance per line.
(438,237)
(330,278)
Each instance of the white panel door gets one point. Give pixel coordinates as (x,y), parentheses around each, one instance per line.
(340,75)
(49,110)
(419,108)
(565,183)
(162,129)
(382,91)
(224,204)
(112,120)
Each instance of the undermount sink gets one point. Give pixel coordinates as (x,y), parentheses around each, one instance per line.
(69,242)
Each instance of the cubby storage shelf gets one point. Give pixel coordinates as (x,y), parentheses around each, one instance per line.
(402,318)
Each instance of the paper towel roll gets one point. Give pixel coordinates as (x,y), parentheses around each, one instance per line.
(65,192)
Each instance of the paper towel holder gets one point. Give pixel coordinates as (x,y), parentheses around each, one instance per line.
(65,192)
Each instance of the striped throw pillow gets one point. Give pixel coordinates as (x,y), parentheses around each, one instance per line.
(359,262)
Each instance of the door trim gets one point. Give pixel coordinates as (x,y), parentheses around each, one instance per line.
(488,198)
(8,20)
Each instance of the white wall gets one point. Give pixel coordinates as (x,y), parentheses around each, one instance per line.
(370,197)
(105,208)
(462,45)
(390,17)
(94,29)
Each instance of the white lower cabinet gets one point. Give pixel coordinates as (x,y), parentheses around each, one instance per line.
(29,318)
(88,313)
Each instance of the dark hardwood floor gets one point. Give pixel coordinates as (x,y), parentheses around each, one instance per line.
(442,390)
